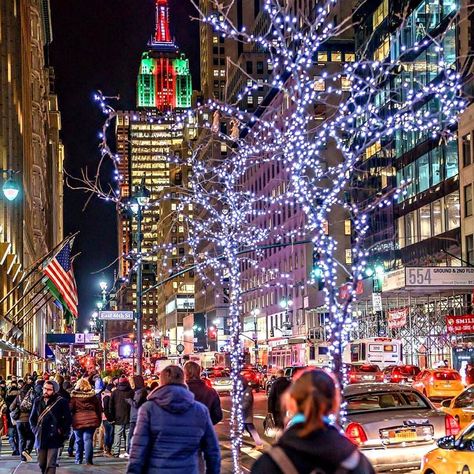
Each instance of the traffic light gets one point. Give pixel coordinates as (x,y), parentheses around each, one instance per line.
(377,273)
(317,273)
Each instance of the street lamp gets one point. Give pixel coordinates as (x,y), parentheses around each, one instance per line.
(103,287)
(139,200)
(255,312)
(10,187)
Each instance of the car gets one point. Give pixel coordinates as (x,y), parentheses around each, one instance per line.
(253,377)
(400,373)
(439,384)
(364,373)
(461,407)
(454,454)
(394,425)
(220,379)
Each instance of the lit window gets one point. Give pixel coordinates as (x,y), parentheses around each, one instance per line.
(348,256)
(259,99)
(215,40)
(336,56)
(190,207)
(322,56)
(222,72)
(181,229)
(383,50)
(175,285)
(350,57)
(373,149)
(345,83)
(380,13)
(250,99)
(173,206)
(347,227)
(319,84)
(216,72)
(249,82)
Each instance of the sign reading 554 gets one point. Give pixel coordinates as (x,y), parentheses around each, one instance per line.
(418,276)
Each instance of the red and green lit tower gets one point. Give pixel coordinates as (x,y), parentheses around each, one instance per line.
(164,80)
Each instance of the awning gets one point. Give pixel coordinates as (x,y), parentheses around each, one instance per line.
(9,347)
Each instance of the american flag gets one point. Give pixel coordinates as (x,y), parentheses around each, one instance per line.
(59,271)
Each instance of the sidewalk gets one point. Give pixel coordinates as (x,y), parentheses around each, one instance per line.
(11,465)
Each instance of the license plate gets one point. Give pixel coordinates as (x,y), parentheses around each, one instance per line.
(404,435)
(368,377)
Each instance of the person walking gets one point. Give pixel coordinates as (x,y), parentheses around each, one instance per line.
(137,383)
(11,394)
(247,413)
(310,443)
(107,420)
(120,414)
(50,421)
(23,404)
(278,387)
(172,429)
(86,413)
(202,393)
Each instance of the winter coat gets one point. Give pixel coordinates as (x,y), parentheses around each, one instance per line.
(247,404)
(139,398)
(85,409)
(324,449)
(105,396)
(277,389)
(12,393)
(172,428)
(207,396)
(24,414)
(119,408)
(55,426)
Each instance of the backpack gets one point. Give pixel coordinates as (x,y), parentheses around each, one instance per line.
(26,404)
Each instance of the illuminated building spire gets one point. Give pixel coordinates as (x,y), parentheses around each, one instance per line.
(162,29)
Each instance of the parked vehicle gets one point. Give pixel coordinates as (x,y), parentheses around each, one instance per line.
(394,425)
(253,377)
(220,379)
(454,454)
(364,373)
(439,384)
(382,351)
(400,373)
(461,407)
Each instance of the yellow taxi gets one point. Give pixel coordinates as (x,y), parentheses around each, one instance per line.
(461,407)
(454,455)
(439,384)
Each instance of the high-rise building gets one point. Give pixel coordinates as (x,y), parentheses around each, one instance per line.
(30,146)
(146,140)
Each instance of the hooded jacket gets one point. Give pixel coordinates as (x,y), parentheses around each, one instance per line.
(324,449)
(86,409)
(172,428)
(119,408)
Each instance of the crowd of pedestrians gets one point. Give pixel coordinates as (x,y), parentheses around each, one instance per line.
(169,427)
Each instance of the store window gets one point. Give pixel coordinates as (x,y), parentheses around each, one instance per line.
(466,149)
(468,200)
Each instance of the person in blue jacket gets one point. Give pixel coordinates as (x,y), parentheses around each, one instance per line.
(172,428)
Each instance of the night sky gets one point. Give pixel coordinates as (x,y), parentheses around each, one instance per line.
(97,44)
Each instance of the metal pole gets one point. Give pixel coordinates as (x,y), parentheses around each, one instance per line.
(206,333)
(104,322)
(139,292)
(256,338)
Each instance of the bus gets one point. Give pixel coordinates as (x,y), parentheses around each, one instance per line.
(382,351)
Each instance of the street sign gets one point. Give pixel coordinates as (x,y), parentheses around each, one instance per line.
(377,301)
(91,346)
(180,348)
(116,315)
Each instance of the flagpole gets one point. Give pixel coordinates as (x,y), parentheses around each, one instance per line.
(38,263)
(50,297)
(22,298)
(43,291)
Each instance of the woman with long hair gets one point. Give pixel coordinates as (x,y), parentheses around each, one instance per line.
(86,413)
(310,443)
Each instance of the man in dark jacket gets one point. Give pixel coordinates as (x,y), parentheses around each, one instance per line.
(279,385)
(50,421)
(202,393)
(12,393)
(171,430)
(139,398)
(120,414)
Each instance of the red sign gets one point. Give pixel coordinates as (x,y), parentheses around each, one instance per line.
(344,290)
(463,324)
(397,318)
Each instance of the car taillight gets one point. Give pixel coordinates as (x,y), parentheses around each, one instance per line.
(356,433)
(451,426)
(352,378)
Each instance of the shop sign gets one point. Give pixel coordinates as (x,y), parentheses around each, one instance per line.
(397,318)
(277,342)
(463,324)
(447,277)
(393,280)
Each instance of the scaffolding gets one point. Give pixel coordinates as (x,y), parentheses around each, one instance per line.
(424,335)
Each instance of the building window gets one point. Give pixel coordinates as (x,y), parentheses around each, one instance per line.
(259,67)
(453,211)
(336,56)
(383,50)
(322,56)
(380,13)
(215,39)
(250,99)
(347,227)
(348,255)
(260,99)
(466,150)
(470,248)
(345,83)
(222,72)
(425,222)
(468,200)
(349,57)
(249,67)
(216,72)
(319,84)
